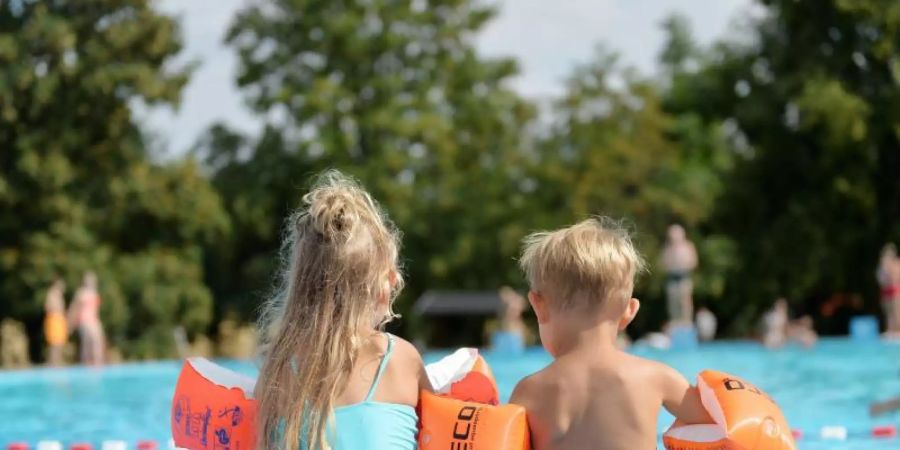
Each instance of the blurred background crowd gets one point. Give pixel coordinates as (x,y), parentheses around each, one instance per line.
(775,148)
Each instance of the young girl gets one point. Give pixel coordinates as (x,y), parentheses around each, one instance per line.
(330,378)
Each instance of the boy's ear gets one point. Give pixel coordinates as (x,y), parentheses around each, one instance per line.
(631,310)
(539,305)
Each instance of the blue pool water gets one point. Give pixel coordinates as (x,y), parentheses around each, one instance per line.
(829,385)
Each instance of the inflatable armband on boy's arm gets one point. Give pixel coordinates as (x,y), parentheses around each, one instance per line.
(745,419)
(463,413)
(213,408)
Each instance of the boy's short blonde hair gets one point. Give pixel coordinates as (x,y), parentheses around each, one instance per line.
(591,261)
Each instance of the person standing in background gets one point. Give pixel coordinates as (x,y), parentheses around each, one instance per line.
(512,333)
(775,325)
(888,275)
(679,259)
(56,328)
(511,317)
(85,314)
(707,324)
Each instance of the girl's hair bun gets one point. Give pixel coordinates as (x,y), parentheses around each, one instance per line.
(336,206)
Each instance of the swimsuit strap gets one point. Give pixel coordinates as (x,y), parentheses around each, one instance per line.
(381,367)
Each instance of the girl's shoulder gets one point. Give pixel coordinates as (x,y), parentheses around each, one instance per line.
(404,347)
(405,357)
(405,373)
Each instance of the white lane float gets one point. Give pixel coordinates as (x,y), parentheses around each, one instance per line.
(833,433)
(114,445)
(49,445)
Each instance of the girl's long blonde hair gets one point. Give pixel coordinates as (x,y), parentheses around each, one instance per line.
(339,252)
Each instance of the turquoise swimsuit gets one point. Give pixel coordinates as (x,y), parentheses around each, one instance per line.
(372,425)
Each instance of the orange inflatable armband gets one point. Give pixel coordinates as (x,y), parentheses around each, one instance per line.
(213,408)
(745,418)
(451,424)
(464,375)
(463,413)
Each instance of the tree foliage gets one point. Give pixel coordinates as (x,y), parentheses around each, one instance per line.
(811,99)
(777,148)
(395,94)
(78,188)
(613,150)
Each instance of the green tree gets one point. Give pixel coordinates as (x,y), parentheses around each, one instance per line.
(395,94)
(78,187)
(812,103)
(614,150)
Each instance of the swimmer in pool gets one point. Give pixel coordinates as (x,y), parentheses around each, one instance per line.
(779,329)
(679,259)
(876,409)
(331,378)
(593,395)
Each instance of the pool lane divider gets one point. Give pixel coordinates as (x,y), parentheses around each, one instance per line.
(833,433)
(884,431)
(829,433)
(105,445)
(841,433)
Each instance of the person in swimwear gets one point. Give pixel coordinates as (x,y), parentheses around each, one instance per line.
(775,325)
(679,259)
(889,280)
(593,395)
(779,329)
(330,378)
(511,316)
(707,324)
(84,313)
(802,331)
(56,328)
(887,406)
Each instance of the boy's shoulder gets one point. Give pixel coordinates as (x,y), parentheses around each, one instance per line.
(648,367)
(539,386)
(660,376)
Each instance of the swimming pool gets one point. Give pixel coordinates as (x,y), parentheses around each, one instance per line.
(830,385)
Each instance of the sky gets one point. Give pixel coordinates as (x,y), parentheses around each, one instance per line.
(547,37)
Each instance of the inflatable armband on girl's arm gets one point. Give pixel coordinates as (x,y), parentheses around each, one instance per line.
(745,419)
(463,414)
(464,375)
(213,408)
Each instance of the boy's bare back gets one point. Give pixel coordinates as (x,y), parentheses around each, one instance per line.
(608,400)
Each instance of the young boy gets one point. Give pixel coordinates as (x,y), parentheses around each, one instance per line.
(593,395)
